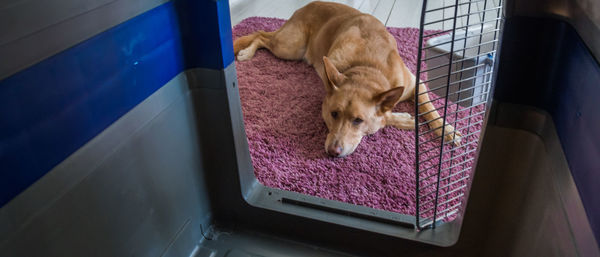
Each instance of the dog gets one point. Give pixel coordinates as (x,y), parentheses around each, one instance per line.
(358,61)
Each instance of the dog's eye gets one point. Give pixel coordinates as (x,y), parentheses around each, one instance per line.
(334,115)
(357,121)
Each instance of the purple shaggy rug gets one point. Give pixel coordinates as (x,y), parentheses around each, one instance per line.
(281,103)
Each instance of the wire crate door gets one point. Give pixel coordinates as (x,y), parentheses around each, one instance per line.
(457,45)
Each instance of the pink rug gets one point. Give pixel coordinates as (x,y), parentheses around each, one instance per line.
(281,102)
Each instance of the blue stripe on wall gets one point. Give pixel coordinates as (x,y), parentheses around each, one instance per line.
(202,49)
(51,109)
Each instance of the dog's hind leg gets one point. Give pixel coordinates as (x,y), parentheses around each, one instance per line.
(289,42)
(243,42)
(245,47)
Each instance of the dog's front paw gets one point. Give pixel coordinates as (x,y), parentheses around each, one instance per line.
(401,120)
(452,135)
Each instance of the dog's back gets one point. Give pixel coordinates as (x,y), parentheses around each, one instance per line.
(343,34)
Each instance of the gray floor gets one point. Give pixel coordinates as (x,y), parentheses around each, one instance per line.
(247,243)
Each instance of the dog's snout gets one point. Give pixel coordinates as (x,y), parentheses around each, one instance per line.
(335,150)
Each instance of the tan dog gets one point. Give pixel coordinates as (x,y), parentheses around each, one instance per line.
(358,61)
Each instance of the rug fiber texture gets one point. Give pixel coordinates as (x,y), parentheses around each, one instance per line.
(281,103)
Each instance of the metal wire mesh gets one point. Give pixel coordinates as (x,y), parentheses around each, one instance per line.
(457,44)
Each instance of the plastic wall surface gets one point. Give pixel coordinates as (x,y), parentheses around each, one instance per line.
(54,107)
(545,64)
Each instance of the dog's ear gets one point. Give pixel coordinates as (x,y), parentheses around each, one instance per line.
(335,77)
(388,99)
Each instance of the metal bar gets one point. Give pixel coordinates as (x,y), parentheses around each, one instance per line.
(445,111)
(470,116)
(455,72)
(456,92)
(496,26)
(439,33)
(442,203)
(457,102)
(478,45)
(462,70)
(458,188)
(458,81)
(480,34)
(444,211)
(447,214)
(432,148)
(447,177)
(471,97)
(474,77)
(442,200)
(479,48)
(436,67)
(429,121)
(446,186)
(425,113)
(466,135)
(437,109)
(460,147)
(430,167)
(472,133)
(456,114)
(417,82)
(464,48)
(448,209)
(457,61)
(456,121)
(447,199)
(462,27)
(458,173)
(466,37)
(428,223)
(454,166)
(450,6)
(458,97)
(462,154)
(458,164)
(429,159)
(436,78)
(437,137)
(435,56)
(460,16)
(485,85)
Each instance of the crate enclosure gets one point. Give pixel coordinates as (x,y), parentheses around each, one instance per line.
(122,135)
(460,94)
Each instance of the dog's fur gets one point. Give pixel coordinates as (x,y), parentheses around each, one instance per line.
(358,61)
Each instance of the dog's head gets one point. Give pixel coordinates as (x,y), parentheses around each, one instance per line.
(354,107)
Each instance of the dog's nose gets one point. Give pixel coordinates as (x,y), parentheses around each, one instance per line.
(335,151)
